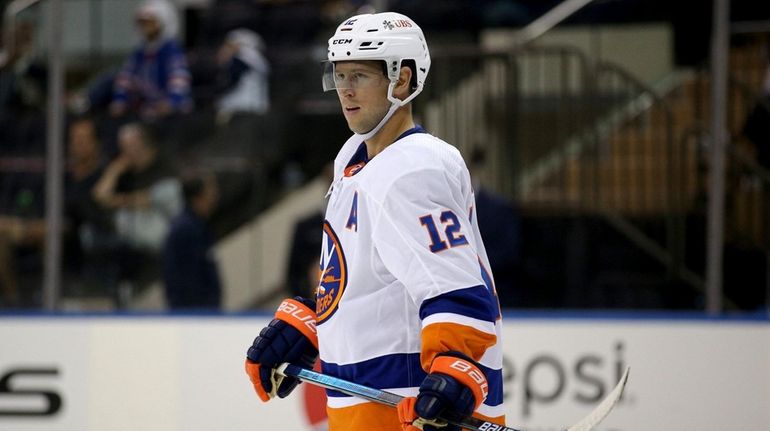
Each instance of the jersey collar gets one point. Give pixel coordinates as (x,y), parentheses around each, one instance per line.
(361,156)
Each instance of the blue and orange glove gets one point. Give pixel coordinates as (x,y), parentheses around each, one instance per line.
(455,383)
(290,337)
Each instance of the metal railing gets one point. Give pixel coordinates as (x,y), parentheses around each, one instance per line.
(634,153)
(566,135)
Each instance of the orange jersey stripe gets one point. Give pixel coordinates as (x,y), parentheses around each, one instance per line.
(441,337)
(364,417)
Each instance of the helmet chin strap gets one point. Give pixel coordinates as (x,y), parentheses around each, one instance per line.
(394,105)
(369,134)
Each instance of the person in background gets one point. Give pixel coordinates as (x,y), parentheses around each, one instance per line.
(23,86)
(22,74)
(190,272)
(28,231)
(155,81)
(142,191)
(499,223)
(302,274)
(243,77)
(757,124)
(85,166)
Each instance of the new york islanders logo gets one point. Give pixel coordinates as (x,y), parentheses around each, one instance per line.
(333,275)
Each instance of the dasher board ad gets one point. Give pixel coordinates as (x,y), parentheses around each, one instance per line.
(158,373)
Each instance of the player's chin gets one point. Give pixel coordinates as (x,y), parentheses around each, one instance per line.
(357,127)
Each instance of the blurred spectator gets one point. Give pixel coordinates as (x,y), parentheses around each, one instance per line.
(757,125)
(155,81)
(22,81)
(22,93)
(142,191)
(25,230)
(16,233)
(304,254)
(141,187)
(243,78)
(85,167)
(190,271)
(499,224)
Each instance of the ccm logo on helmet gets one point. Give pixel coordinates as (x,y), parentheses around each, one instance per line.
(474,374)
(341,41)
(298,313)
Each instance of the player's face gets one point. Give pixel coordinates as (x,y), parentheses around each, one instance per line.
(362,89)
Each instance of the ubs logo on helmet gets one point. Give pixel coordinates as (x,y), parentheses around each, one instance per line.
(399,23)
(333,275)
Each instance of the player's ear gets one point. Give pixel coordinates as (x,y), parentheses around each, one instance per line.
(403,85)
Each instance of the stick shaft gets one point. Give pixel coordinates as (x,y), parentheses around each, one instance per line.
(467,422)
(380,396)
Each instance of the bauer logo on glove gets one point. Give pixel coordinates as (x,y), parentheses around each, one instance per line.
(290,337)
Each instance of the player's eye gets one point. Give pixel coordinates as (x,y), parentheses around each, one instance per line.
(362,79)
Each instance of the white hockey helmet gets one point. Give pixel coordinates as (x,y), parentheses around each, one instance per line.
(388,36)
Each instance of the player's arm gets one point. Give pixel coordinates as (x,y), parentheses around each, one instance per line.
(458,329)
(290,337)
(424,237)
(123,83)
(178,80)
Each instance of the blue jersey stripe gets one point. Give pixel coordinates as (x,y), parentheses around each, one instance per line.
(475,302)
(402,370)
(495,380)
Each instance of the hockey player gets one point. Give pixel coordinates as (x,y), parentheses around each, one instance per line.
(405,301)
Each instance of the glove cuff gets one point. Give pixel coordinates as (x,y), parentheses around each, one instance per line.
(252,369)
(465,371)
(300,316)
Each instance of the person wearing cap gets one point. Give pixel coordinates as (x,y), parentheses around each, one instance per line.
(405,300)
(243,78)
(155,80)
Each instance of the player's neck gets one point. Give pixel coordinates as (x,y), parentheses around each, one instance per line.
(400,122)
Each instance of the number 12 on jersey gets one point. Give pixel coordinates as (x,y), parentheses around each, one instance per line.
(452,231)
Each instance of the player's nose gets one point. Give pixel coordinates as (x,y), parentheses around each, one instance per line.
(347,92)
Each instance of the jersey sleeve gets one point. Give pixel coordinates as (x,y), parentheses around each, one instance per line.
(425,238)
(123,82)
(178,78)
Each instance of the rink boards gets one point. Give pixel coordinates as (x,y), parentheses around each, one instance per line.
(91,373)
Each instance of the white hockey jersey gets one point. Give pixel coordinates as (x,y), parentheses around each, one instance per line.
(403,276)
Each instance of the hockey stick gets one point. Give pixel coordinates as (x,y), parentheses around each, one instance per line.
(604,408)
(466,422)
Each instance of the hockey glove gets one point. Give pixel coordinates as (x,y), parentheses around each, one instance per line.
(455,383)
(290,337)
